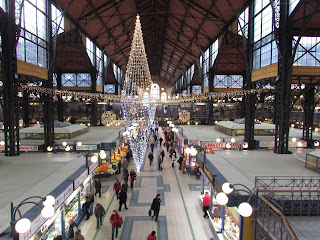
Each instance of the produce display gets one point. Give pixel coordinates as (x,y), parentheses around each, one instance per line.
(105,168)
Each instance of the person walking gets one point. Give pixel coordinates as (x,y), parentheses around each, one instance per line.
(117,187)
(97,186)
(133,177)
(159,162)
(162,155)
(152,147)
(160,141)
(168,145)
(198,172)
(125,164)
(73,227)
(206,204)
(150,156)
(156,207)
(99,212)
(180,160)
(155,138)
(78,235)
(152,236)
(173,157)
(114,219)
(125,175)
(86,208)
(183,165)
(123,200)
(124,187)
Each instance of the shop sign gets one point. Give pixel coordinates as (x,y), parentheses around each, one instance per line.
(221,145)
(60,147)
(193,142)
(24,148)
(80,179)
(35,226)
(92,167)
(87,147)
(63,196)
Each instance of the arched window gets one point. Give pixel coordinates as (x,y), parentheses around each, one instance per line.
(155,91)
(163,97)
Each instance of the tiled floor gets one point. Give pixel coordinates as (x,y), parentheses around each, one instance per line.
(180,213)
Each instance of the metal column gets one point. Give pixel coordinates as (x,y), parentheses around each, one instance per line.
(10,84)
(210,102)
(25,104)
(60,100)
(308,108)
(48,106)
(283,84)
(249,100)
(93,101)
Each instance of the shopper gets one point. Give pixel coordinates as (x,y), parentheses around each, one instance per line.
(125,164)
(123,200)
(152,147)
(180,160)
(99,212)
(72,229)
(162,155)
(168,145)
(197,172)
(156,206)
(86,208)
(114,219)
(97,185)
(119,167)
(125,175)
(155,138)
(183,165)
(133,177)
(117,187)
(124,187)
(159,162)
(173,157)
(150,156)
(206,204)
(152,236)
(160,141)
(78,235)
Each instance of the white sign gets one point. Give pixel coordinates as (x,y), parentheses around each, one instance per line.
(80,179)
(63,196)
(220,144)
(93,166)
(86,147)
(24,148)
(35,225)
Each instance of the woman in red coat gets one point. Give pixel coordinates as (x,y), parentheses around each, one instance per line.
(206,204)
(114,219)
(152,236)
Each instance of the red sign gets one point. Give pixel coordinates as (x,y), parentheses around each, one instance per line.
(24,148)
(220,144)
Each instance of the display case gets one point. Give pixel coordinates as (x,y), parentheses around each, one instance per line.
(231,224)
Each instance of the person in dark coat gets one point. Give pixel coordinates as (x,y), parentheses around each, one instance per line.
(155,138)
(123,200)
(160,140)
(150,156)
(180,160)
(168,145)
(99,212)
(86,208)
(72,229)
(124,187)
(125,175)
(97,185)
(156,206)
(117,187)
(133,177)
(152,147)
(162,155)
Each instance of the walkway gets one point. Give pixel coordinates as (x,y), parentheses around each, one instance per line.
(180,214)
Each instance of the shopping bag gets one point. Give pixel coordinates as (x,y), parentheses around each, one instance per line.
(150,212)
(119,224)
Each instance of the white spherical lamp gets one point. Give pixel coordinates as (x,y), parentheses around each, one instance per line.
(228,145)
(67,149)
(222,198)
(218,140)
(316,143)
(226,187)
(49,149)
(64,144)
(50,200)
(245,209)
(233,140)
(2,143)
(103,154)
(193,151)
(245,145)
(23,225)
(79,144)
(188,150)
(47,211)
(300,144)
(94,159)
(294,139)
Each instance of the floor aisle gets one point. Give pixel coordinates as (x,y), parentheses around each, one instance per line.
(180,213)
